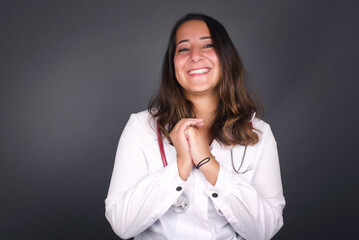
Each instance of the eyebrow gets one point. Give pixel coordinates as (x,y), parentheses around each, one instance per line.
(186,40)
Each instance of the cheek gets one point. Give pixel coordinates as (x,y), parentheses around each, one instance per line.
(215,61)
(214,58)
(179,62)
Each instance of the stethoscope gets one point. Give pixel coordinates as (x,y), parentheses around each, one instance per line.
(250,167)
(181,204)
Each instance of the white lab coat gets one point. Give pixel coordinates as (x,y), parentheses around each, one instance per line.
(244,206)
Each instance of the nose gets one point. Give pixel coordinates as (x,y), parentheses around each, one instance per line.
(196,54)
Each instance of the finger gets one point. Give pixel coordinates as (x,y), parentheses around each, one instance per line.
(189,131)
(178,124)
(189,122)
(186,133)
(199,124)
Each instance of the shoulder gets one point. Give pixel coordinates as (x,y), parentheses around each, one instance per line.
(260,125)
(264,131)
(140,116)
(141,121)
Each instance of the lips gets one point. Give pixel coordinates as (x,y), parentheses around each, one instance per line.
(198,71)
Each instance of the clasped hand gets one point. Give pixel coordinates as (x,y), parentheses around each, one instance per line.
(190,139)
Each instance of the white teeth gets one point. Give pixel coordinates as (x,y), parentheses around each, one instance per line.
(198,71)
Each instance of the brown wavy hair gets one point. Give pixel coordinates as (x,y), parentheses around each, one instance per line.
(236,104)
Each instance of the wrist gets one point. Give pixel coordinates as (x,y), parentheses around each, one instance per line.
(184,168)
(204,160)
(210,171)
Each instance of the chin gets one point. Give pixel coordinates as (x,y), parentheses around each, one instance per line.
(199,91)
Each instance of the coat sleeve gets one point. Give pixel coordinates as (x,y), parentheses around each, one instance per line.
(253,208)
(136,197)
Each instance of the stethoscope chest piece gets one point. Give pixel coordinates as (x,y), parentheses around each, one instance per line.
(180,205)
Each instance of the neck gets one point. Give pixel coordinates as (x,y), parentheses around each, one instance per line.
(205,107)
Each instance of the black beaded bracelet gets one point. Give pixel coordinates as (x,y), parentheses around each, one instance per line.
(204,161)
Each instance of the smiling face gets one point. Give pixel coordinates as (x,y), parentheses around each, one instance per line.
(196,63)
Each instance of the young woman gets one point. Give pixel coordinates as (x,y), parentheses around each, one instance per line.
(198,164)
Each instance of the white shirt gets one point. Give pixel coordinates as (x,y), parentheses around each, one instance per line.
(239,206)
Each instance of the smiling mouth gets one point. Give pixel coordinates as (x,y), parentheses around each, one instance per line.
(199,71)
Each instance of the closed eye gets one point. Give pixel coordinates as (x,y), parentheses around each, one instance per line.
(209,46)
(183,50)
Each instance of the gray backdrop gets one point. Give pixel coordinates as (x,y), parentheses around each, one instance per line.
(73,71)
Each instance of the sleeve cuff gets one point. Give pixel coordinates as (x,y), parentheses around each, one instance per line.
(221,187)
(173,184)
(220,191)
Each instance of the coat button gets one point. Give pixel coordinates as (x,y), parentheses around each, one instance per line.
(214,195)
(179,188)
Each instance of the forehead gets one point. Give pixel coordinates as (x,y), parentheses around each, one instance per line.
(192,29)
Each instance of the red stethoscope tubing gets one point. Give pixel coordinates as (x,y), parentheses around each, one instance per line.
(163,156)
